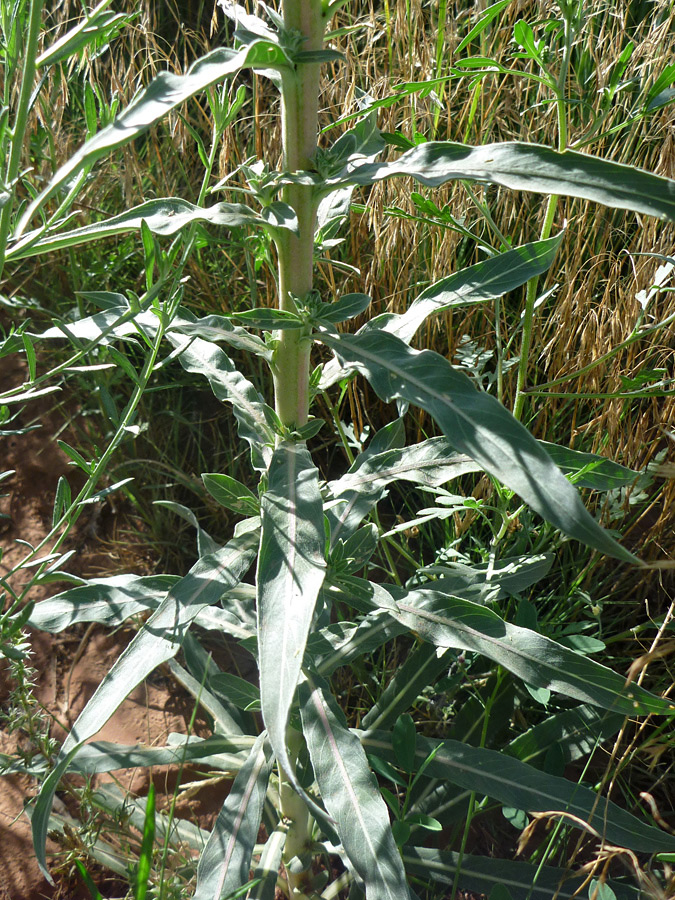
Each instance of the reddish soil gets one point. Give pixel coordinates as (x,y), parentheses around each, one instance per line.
(70,665)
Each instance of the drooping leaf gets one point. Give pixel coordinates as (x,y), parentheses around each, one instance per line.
(220,328)
(164,217)
(432,462)
(350,792)
(525,167)
(226,860)
(480,874)
(448,621)
(520,786)
(486,280)
(158,641)
(475,423)
(110,601)
(164,93)
(290,573)
(229,385)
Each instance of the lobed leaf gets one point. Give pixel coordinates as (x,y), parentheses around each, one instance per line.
(475,423)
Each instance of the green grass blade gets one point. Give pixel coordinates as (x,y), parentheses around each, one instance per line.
(475,423)
(290,573)
(350,792)
(526,167)
(145,858)
(225,864)
(520,786)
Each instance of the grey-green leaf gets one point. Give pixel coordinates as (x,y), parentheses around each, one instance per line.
(432,462)
(164,93)
(350,792)
(290,573)
(226,860)
(158,641)
(448,621)
(483,281)
(164,217)
(107,600)
(520,786)
(525,167)
(475,423)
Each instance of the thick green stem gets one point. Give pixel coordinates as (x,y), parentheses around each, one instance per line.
(300,102)
(296,855)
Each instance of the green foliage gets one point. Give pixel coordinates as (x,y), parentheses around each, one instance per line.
(333,586)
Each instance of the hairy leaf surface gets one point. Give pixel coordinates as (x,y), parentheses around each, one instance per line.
(350,792)
(520,786)
(291,570)
(226,860)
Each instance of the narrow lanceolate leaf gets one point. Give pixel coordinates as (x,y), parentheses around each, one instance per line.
(107,600)
(475,423)
(158,641)
(165,217)
(480,874)
(448,621)
(525,167)
(432,462)
(291,570)
(225,864)
(164,93)
(572,734)
(484,281)
(349,790)
(229,385)
(520,786)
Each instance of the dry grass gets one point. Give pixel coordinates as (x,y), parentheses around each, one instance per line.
(599,270)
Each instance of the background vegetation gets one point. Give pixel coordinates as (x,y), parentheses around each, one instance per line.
(590,384)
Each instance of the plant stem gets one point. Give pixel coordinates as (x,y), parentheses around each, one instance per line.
(531,294)
(20,121)
(300,102)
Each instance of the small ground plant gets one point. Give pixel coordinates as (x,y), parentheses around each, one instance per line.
(307,583)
